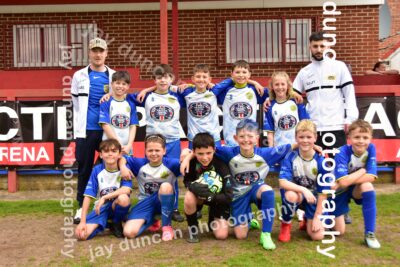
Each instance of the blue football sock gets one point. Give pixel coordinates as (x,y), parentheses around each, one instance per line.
(288,210)
(369,210)
(267,208)
(167,205)
(120,212)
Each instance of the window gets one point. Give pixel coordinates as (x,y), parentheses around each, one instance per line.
(42,45)
(260,41)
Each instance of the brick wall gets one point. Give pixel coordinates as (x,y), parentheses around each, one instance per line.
(357,36)
(387,44)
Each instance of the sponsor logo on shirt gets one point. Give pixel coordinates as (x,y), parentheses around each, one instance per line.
(304,181)
(161,113)
(151,187)
(120,121)
(107,191)
(240,110)
(287,122)
(199,109)
(247,178)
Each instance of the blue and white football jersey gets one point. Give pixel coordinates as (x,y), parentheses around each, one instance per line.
(303,172)
(238,103)
(99,85)
(150,178)
(253,170)
(119,115)
(282,119)
(103,182)
(162,114)
(202,113)
(347,162)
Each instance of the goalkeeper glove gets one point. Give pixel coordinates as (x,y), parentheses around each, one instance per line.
(202,191)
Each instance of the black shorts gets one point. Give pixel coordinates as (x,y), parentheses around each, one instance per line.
(216,211)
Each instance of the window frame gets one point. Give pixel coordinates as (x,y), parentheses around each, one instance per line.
(222,46)
(71,47)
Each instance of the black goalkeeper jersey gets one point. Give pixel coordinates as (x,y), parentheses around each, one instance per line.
(217,165)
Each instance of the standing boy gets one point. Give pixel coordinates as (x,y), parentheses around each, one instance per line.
(118,116)
(88,86)
(214,191)
(298,177)
(239,101)
(111,193)
(355,171)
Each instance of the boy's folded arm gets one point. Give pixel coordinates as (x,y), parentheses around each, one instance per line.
(120,191)
(351,179)
(366,178)
(290,186)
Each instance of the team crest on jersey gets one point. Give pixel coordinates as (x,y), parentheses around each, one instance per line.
(287,122)
(293,107)
(171,100)
(208,95)
(247,178)
(304,181)
(249,95)
(161,113)
(106,88)
(151,187)
(240,110)
(199,109)
(259,163)
(314,171)
(164,175)
(364,159)
(120,121)
(107,191)
(331,77)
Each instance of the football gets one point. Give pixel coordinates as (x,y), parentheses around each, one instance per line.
(212,179)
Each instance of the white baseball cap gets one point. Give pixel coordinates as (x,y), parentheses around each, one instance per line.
(97,42)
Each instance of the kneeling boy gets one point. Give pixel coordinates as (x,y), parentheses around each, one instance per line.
(355,171)
(156,176)
(298,177)
(112,194)
(207,183)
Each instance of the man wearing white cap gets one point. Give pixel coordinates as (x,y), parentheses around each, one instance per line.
(88,86)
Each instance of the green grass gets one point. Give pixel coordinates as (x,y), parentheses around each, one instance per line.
(349,249)
(41,207)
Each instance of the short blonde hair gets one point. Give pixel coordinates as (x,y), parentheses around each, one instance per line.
(364,126)
(306,125)
(281,74)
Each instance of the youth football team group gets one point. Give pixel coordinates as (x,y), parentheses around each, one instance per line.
(226,177)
